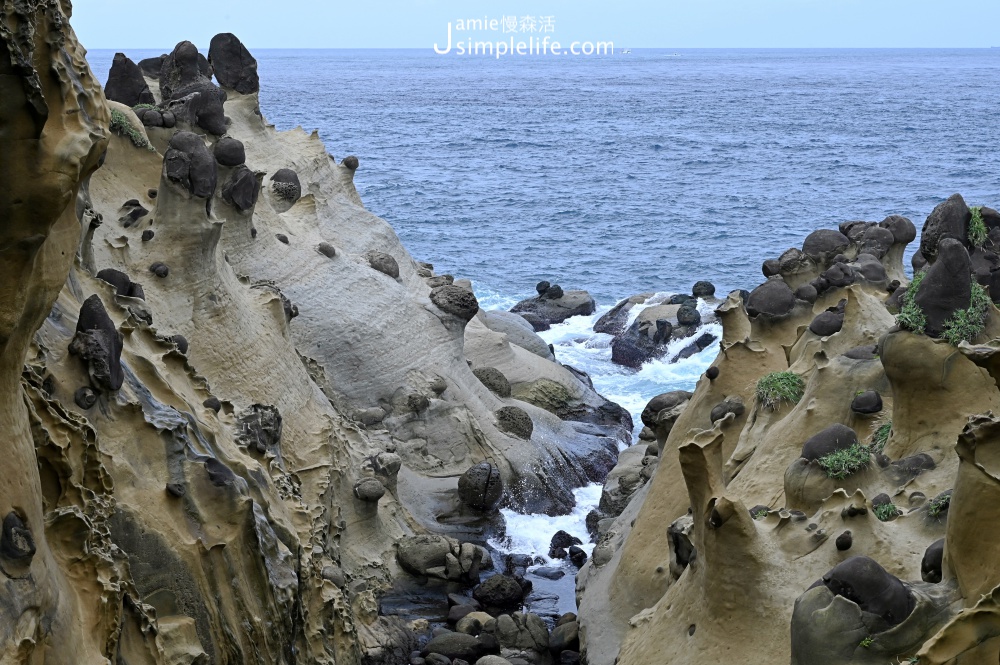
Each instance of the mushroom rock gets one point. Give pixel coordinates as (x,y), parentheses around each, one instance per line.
(772,298)
(456,301)
(188,164)
(824,243)
(126,83)
(950,219)
(864,582)
(947,286)
(234,67)
(241,189)
(515,420)
(384,263)
(123,285)
(189,93)
(229,152)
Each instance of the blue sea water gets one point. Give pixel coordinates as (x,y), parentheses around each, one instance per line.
(642,172)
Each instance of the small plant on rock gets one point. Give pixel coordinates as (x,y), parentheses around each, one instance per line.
(867,642)
(777,387)
(142,107)
(977,228)
(886,511)
(121,126)
(880,435)
(938,505)
(760,514)
(910,315)
(845,462)
(965,325)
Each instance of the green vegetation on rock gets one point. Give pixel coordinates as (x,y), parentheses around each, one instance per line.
(842,463)
(122,127)
(777,387)
(880,436)
(938,505)
(886,511)
(977,228)
(910,316)
(966,325)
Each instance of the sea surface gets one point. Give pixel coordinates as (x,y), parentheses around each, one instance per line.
(636,173)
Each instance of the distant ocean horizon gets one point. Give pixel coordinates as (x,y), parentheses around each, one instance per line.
(641,172)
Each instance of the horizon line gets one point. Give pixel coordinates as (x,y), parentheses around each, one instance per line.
(644,48)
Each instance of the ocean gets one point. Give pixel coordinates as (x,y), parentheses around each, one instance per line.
(636,173)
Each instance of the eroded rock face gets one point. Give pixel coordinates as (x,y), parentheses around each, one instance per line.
(189,164)
(864,582)
(188,92)
(554,305)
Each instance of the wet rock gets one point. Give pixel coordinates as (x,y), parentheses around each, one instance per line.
(85,397)
(514,420)
(577,556)
(369,490)
(688,316)
(229,152)
(703,289)
(493,379)
(772,298)
(285,185)
(930,565)
(126,84)
(833,438)
(562,541)
(384,263)
(549,572)
(190,165)
(327,250)
(946,286)
(864,582)
(350,162)
(481,487)
(822,244)
(241,189)
(259,428)
(99,344)
(16,541)
(455,301)
(867,403)
(234,67)
(844,541)
(551,309)
(950,219)
(500,592)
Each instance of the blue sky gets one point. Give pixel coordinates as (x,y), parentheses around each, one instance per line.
(631,23)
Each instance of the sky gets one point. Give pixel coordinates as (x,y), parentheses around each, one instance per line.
(119,24)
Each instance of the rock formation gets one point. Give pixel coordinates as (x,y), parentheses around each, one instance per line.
(801,526)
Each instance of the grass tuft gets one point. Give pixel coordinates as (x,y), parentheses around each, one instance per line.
(886,511)
(938,505)
(142,107)
(122,127)
(880,435)
(966,325)
(842,463)
(777,387)
(977,228)
(910,315)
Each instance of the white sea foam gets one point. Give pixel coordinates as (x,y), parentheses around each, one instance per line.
(532,534)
